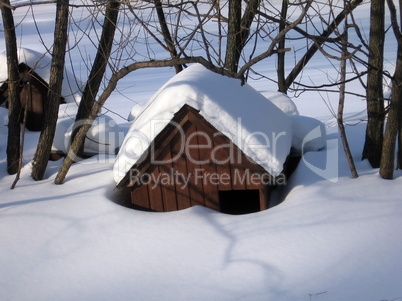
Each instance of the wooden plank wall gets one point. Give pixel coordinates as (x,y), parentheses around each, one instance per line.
(206,180)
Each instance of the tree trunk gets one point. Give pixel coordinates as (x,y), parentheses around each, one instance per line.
(24,121)
(388,148)
(281,54)
(91,89)
(341,105)
(232,47)
(51,108)
(14,105)
(166,34)
(238,31)
(248,18)
(387,165)
(375,98)
(98,67)
(399,158)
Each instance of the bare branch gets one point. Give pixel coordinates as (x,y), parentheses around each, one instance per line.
(275,41)
(394,20)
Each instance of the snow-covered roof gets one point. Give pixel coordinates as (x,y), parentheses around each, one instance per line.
(255,125)
(282,101)
(41,64)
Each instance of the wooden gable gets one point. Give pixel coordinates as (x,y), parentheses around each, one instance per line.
(191,163)
(33,95)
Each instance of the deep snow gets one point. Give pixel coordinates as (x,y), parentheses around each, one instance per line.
(332,238)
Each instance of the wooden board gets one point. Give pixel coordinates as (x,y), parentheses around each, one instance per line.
(155,192)
(194,170)
(210,176)
(140,196)
(167,181)
(180,167)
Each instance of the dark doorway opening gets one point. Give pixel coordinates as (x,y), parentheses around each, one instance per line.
(239,201)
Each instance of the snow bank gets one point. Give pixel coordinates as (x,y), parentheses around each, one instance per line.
(255,125)
(41,64)
(282,101)
(104,136)
(308,134)
(135,111)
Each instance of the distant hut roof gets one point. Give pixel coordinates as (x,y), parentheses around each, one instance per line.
(261,130)
(41,63)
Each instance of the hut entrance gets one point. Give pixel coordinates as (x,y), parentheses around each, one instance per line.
(239,201)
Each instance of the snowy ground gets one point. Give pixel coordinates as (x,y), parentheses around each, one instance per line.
(72,242)
(332,238)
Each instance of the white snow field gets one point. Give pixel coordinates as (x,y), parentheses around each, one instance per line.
(332,238)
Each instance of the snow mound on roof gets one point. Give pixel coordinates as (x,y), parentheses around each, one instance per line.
(308,134)
(135,111)
(282,101)
(255,125)
(41,64)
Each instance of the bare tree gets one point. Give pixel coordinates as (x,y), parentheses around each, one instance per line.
(14,105)
(43,150)
(166,34)
(233,40)
(375,97)
(282,87)
(238,30)
(387,165)
(341,105)
(99,66)
(93,84)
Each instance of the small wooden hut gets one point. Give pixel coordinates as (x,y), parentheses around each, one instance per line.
(33,93)
(191,163)
(203,140)
(34,70)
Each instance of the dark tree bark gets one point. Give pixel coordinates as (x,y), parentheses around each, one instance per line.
(232,45)
(51,108)
(248,18)
(99,66)
(25,101)
(387,165)
(281,46)
(14,104)
(238,31)
(399,157)
(166,34)
(375,98)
